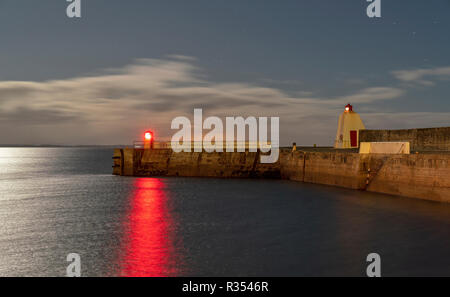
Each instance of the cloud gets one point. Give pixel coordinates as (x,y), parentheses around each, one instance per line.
(116,105)
(181,57)
(419,75)
(373,94)
(27,116)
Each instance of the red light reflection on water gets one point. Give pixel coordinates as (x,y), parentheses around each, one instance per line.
(150,250)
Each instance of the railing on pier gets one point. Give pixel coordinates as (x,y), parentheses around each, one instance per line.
(156,145)
(198,144)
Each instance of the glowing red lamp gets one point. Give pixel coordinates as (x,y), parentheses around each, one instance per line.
(148,136)
(148,140)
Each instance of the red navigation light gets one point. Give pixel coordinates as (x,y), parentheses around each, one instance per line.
(148,136)
(348,107)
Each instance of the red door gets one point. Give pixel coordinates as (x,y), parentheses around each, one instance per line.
(353,138)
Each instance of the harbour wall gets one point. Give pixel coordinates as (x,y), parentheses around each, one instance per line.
(165,162)
(427,139)
(424,176)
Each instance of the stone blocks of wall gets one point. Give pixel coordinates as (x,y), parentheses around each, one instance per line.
(292,165)
(427,139)
(425,176)
(335,169)
(165,162)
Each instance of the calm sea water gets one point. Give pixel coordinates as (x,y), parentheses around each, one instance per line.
(56,201)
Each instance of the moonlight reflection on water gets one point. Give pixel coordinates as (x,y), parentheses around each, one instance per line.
(56,201)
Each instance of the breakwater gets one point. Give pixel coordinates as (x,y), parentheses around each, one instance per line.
(424,176)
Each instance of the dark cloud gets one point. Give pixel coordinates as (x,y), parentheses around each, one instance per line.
(28,116)
(16,92)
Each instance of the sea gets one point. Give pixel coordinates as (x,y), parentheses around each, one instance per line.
(55,202)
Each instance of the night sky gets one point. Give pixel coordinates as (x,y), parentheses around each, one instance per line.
(127,66)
